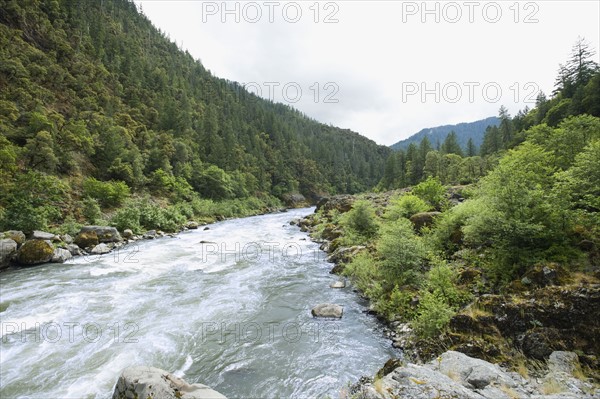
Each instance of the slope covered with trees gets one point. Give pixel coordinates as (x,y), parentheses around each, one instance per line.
(97,106)
(464,132)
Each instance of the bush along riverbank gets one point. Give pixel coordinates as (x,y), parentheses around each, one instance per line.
(446,272)
(137,218)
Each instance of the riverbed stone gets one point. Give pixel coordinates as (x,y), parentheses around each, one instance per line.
(150,382)
(8,248)
(127,234)
(192,225)
(34,252)
(329,310)
(74,250)
(100,249)
(61,255)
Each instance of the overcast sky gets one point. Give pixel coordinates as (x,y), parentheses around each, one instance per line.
(385,69)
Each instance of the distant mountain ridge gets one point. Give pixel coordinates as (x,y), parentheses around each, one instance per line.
(464,131)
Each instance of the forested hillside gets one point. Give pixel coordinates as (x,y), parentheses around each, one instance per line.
(473,131)
(577,92)
(98,106)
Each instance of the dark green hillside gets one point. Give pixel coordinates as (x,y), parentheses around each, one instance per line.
(91,92)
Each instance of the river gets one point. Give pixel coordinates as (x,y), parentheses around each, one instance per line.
(232,312)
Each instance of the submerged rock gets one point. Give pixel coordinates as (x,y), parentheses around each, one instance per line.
(150,382)
(328,310)
(34,252)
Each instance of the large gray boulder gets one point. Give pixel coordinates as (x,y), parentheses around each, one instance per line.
(470,372)
(8,248)
(104,233)
(150,382)
(34,252)
(329,310)
(42,235)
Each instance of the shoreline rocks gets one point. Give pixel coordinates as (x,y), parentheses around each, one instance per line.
(150,382)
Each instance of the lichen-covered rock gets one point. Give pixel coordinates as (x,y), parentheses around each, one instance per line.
(328,310)
(34,252)
(8,248)
(150,382)
(86,239)
(61,255)
(104,233)
(15,235)
(471,373)
(127,234)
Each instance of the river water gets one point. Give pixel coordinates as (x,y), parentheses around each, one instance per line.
(228,307)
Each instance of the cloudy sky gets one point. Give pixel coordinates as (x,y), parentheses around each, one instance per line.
(385,69)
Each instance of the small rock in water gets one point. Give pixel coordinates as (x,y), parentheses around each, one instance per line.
(127,234)
(206,228)
(338,284)
(192,225)
(328,310)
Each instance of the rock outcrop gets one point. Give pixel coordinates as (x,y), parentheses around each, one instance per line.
(150,382)
(328,310)
(34,252)
(456,375)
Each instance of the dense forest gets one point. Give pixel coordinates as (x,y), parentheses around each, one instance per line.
(577,92)
(99,110)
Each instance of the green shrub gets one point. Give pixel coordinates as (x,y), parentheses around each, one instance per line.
(433,316)
(364,271)
(108,194)
(402,251)
(91,210)
(70,226)
(127,217)
(442,281)
(361,220)
(432,192)
(406,206)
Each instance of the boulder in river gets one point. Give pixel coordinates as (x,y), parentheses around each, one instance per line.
(338,284)
(127,234)
(34,252)
(61,255)
(74,249)
(100,249)
(328,310)
(104,233)
(150,382)
(192,225)
(8,248)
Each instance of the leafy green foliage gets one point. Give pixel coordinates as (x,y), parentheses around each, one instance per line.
(361,220)
(433,315)
(432,192)
(405,206)
(109,194)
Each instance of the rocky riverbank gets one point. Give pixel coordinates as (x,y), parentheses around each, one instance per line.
(549,310)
